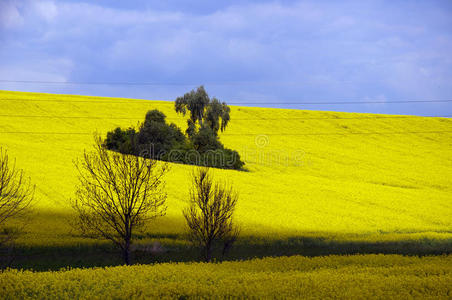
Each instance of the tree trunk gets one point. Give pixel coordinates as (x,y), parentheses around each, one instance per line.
(200,119)
(226,248)
(126,253)
(208,252)
(126,256)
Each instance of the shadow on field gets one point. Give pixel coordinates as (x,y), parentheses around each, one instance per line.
(174,248)
(49,243)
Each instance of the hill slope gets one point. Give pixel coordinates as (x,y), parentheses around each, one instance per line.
(309,172)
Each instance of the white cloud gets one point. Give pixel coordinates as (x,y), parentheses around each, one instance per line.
(47,10)
(10,16)
(95,15)
(55,69)
(331,49)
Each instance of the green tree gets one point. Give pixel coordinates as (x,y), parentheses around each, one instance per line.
(201,145)
(216,111)
(157,138)
(123,141)
(194,102)
(205,139)
(154,116)
(203,111)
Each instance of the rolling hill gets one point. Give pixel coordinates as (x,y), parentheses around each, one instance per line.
(316,183)
(350,175)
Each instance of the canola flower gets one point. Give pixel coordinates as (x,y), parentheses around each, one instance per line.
(343,185)
(347,184)
(351,277)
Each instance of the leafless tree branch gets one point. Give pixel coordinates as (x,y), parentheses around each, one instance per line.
(209,216)
(16,193)
(117,194)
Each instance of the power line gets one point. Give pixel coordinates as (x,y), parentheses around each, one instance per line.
(96,83)
(251,134)
(45,133)
(141,101)
(230,83)
(242,119)
(346,133)
(98,101)
(126,83)
(347,102)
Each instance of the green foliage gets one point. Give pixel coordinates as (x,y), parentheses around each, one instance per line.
(214,112)
(211,152)
(160,140)
(191,128)
(195,102)
(205,139)
(207,117)
(156,138)
(154,116)
(203,110)
(232,159)
(123,141)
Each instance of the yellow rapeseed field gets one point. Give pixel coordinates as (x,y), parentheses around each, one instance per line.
(343,177)
(347,277)
(340,175)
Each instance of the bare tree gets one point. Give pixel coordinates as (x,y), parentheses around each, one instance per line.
(16,193)
(118,194)
(210,214)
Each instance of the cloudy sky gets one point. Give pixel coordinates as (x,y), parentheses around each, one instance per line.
(267,53)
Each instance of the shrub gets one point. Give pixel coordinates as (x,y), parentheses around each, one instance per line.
(157,138)
(205,139)
(154,116)
(122,141)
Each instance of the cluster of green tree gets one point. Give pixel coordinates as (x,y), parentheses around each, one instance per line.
(200,145)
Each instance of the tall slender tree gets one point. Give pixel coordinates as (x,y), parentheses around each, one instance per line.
(216,111)
(194,102)
(203,111)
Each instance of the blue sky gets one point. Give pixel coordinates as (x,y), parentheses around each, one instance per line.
(242,51)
